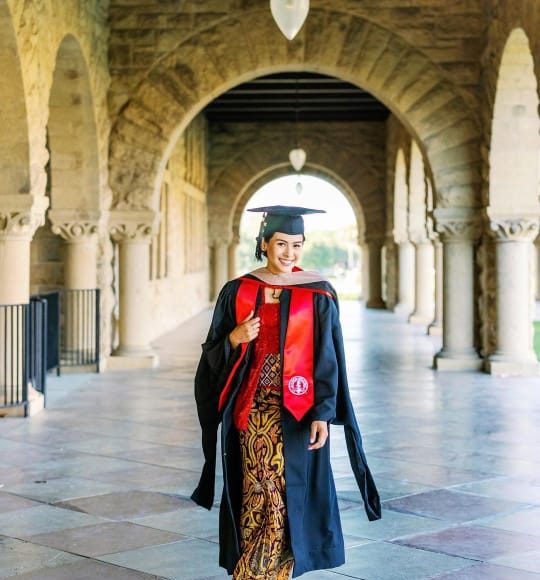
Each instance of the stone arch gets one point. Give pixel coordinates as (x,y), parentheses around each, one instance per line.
(511,194)
(246,45)
(275,172)
(515,137)
(72,133)
(14,144)
(361,179)
(73,183)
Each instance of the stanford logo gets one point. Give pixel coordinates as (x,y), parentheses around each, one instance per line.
(298,385)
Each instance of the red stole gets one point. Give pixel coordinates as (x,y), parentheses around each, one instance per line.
(297,363)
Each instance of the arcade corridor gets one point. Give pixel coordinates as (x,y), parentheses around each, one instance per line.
(97,486)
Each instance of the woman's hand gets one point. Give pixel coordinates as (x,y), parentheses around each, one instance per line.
(318,434)
(246,331)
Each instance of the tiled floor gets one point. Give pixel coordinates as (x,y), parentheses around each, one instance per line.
(96,487)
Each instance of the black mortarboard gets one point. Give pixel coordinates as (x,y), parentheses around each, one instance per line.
(281,218)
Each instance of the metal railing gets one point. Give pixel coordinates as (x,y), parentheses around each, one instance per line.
(13,355)
(54,331)
(79,328)
(36,344)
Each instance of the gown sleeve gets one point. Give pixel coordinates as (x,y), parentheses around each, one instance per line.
(215,363)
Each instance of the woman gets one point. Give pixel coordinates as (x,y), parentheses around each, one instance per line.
(273,373)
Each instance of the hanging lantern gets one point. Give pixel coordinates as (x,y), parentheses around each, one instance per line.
(297,157)
(289,15)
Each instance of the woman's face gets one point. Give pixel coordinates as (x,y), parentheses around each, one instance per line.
(283,252)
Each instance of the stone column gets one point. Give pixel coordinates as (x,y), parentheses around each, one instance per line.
(537,250)
(458,228)
(406,269)
(220,260)
(514,354)
(20,216)
(375,274)
(435,328)
(233,247)
(424,304)
(133,231)
(79,230)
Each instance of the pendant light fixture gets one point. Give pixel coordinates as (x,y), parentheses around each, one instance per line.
(289,15)
(297,157)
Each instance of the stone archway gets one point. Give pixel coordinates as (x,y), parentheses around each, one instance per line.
(65,249)
(74,178)
(310,169)
(212,61)
(513,209)
(20,213)
(224,240)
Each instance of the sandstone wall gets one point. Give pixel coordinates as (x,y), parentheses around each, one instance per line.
(180,290)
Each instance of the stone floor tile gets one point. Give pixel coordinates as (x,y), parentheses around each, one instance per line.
(126,505)
(195,522)
(456,433)
(41,519)
(110,446)
(451,505)
(391,525)
(347,488)
(473,542)
(80,466)
(61,489)
(9,503)
(383,561)
(187,560)
(18,557)
(525,521)
(434,475)
(106,538)
(517,489)
(169,456)
(140,475)
(529,561)
(86,570)
(488,572)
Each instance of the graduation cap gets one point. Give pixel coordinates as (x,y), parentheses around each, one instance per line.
(281,218)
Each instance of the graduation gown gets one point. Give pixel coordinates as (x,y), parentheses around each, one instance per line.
(312,508)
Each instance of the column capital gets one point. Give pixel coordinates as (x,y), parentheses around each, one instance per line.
(21,215)
(133,225)
(76,225)
(513,228)
(458,224)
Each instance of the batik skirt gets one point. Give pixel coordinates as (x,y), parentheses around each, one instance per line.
(265,542)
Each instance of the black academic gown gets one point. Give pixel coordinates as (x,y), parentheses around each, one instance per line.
(312,507)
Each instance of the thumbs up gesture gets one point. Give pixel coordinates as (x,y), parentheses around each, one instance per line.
(246,331)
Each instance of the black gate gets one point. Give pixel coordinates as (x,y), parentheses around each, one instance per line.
(79,328)
(13,355)
(54,331)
